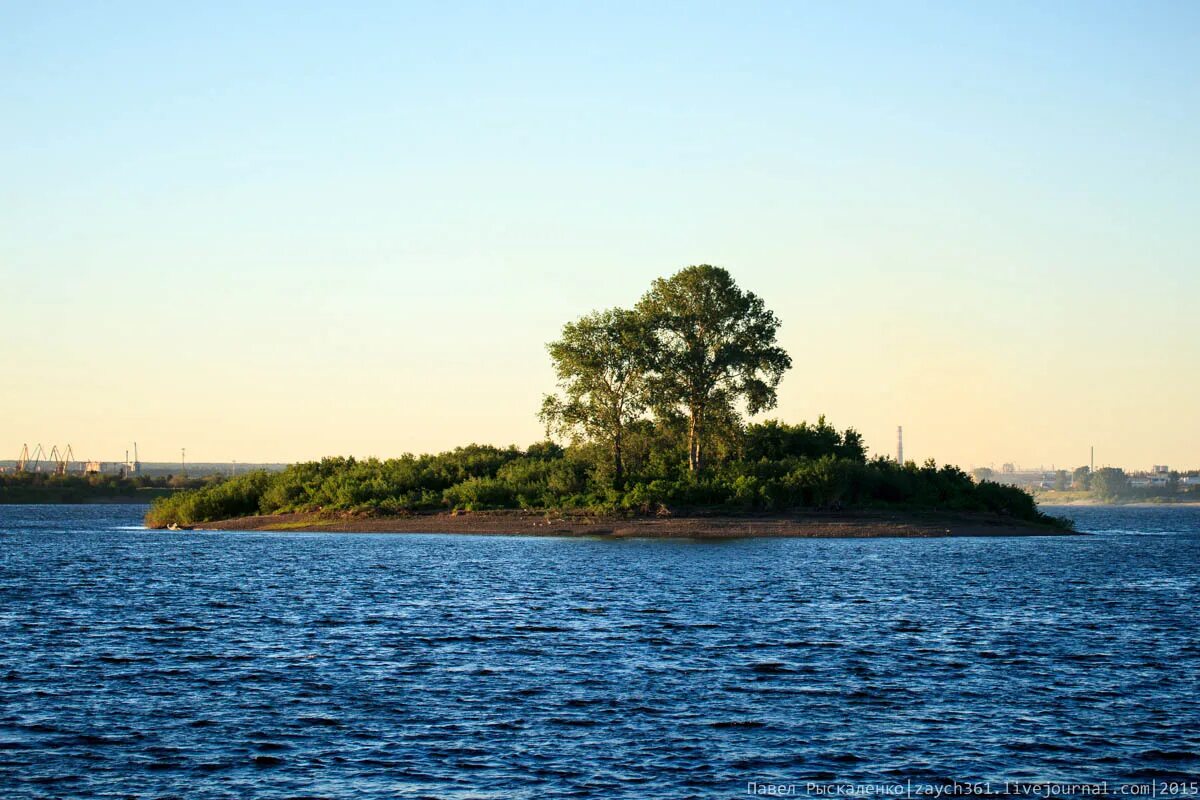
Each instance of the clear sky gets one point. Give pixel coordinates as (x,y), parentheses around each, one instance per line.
(276,231)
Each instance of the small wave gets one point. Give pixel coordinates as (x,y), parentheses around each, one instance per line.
(649,710)
(328,722)
(582,702)
(1153,773)
(96,740)
(842,758)
(541,629)
(1040,747)
(1171,755)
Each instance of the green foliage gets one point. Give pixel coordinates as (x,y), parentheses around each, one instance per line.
(1081,478)
(783,468)
(713,345)
(235,497)
(50,487)
(601,362)
(475,494)
(1109,483)
(774,440)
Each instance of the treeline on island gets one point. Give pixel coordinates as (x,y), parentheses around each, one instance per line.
(648,418)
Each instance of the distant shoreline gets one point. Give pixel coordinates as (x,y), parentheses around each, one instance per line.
(1131,504)
(841,524)
(142,498)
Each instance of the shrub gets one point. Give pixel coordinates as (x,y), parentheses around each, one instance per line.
(235,497)
(475,494)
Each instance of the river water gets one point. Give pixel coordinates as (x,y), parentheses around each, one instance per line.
(141,663)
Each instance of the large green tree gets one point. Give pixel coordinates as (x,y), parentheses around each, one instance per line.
(712,345)
(601,363)
(1110,483)
(1081,478)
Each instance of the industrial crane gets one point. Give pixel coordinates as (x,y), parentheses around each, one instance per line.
(32,462)
(62,459)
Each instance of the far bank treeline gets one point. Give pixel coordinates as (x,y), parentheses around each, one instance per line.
(648,418)
(52,487)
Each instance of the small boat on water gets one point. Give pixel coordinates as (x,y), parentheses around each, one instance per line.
(173,527)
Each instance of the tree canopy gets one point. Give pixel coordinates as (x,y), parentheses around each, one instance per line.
(1109,483)
(712,345)
(602,366)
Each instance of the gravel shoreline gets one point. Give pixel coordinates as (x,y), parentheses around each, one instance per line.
(833,524)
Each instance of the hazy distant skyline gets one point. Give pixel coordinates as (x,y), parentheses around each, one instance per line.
(283,232)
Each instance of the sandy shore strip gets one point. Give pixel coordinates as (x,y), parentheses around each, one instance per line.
(1051,503)
(856,524)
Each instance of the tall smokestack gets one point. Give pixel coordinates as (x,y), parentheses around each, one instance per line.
(900,445)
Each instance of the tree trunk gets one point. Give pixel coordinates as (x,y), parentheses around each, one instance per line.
(618,464)
(694,463)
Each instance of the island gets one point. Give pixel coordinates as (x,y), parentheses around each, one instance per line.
(648,434)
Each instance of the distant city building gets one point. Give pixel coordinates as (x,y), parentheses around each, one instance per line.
(1149,480)
(1161,469)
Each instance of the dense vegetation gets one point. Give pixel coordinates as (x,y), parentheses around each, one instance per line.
(49,487)
(650,411)
(770,467)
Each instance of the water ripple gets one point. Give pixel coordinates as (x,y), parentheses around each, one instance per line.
(147,664)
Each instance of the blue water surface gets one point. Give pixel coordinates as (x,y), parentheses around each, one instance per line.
(141,663)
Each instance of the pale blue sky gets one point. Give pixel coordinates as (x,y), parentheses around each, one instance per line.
(284,231)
